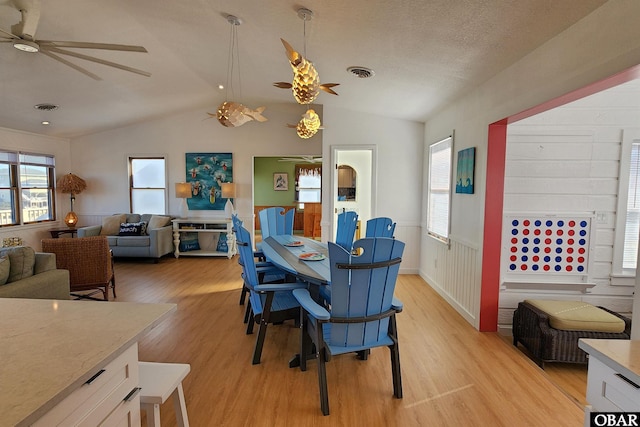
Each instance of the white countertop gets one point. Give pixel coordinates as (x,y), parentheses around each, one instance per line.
(621,355)
(49,348)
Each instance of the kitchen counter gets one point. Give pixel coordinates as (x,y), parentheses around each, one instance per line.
(49,348)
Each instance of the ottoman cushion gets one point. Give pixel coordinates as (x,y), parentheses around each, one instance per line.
(578,316)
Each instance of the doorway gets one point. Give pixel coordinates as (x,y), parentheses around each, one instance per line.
(353,187)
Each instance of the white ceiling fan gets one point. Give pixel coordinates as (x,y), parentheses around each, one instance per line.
(22,36)
(302,159)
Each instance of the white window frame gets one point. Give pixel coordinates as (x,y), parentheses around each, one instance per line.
(629,138)
(165,188)
(440,232)
(17,161)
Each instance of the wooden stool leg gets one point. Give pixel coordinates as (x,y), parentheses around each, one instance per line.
(180,407)
(153,414)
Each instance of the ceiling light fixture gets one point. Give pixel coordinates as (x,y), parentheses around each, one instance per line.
(27,46)
(46,123)
(306,81)
(234,114)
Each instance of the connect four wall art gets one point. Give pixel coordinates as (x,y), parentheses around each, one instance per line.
(546,245)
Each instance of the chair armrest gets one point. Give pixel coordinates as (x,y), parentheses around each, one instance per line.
(268,287)
(92,230)
(397,305)
(161,241)
(309,305)
(45,261)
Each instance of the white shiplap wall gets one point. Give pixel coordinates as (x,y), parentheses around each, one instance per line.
(567,160)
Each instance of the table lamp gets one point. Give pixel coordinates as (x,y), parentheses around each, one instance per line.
(183,191)
(229,192)
(72,184)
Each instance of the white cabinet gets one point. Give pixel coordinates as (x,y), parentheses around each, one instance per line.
(208,232)
(613,380)
(110,397)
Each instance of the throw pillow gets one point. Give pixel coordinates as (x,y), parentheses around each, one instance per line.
(111,224)
(157,221)
(5,268)
(132,229)
(22,259)
(222,243)
(189,242)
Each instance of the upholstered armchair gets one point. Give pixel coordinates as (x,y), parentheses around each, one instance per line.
(90,264)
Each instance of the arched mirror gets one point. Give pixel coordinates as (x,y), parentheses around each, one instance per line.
(346,183)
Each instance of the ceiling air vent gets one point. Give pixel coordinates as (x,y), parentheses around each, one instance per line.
(361,72)
(46,107)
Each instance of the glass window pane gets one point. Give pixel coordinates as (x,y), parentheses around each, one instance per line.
(34,176)
(5,175)
(36,205)
(309,195)
(147,201)
(148,173)
(6,204)
(439,188)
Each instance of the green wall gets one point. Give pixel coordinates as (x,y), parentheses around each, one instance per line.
(264,194)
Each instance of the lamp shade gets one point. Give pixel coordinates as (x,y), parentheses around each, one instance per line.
(228,190)
(183,190)
(71,183)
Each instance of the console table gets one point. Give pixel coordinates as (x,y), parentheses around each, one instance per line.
(209,231)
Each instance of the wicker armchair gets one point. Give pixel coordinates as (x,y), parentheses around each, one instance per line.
(90,264)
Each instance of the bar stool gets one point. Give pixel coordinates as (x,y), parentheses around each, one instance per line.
(159,381)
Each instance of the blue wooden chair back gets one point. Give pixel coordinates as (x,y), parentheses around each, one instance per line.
(359,292)
(380,227)
(247,260)
(275,221)
(346,229)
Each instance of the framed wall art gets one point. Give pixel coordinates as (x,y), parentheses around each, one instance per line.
(465,170)
(205,173)
(281,181)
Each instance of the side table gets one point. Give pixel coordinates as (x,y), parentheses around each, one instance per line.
(56,232)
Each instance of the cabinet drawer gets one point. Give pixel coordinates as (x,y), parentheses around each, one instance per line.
(609,391)
(99,395)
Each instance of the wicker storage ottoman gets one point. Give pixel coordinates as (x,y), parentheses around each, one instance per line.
(532,329)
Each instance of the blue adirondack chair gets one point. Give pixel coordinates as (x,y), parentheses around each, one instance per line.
(275,221)
(362,312)
(267,273)
(268,302)
(380,227)
(347,223)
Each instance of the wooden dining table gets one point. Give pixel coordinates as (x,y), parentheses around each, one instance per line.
(287,253)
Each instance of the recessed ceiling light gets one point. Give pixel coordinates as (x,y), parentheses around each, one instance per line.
(27,46)
(220,87)
(46,123)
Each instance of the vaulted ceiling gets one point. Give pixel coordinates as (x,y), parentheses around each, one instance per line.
(425,53)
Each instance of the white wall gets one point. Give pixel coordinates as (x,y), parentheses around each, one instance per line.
(101,158)
(59,148)
(600,45)
(398,171)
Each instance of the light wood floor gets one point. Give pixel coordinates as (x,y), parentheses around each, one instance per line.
(452,375)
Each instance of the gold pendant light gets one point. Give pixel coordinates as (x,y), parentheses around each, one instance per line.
(234,114)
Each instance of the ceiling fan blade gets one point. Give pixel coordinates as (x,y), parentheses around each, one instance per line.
(87,45)
(13,36)
(70,64)
(96,60)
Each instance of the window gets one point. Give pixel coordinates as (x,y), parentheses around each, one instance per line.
(628,222)
(26,188)
(308,184)
(439,189)
(148,184)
